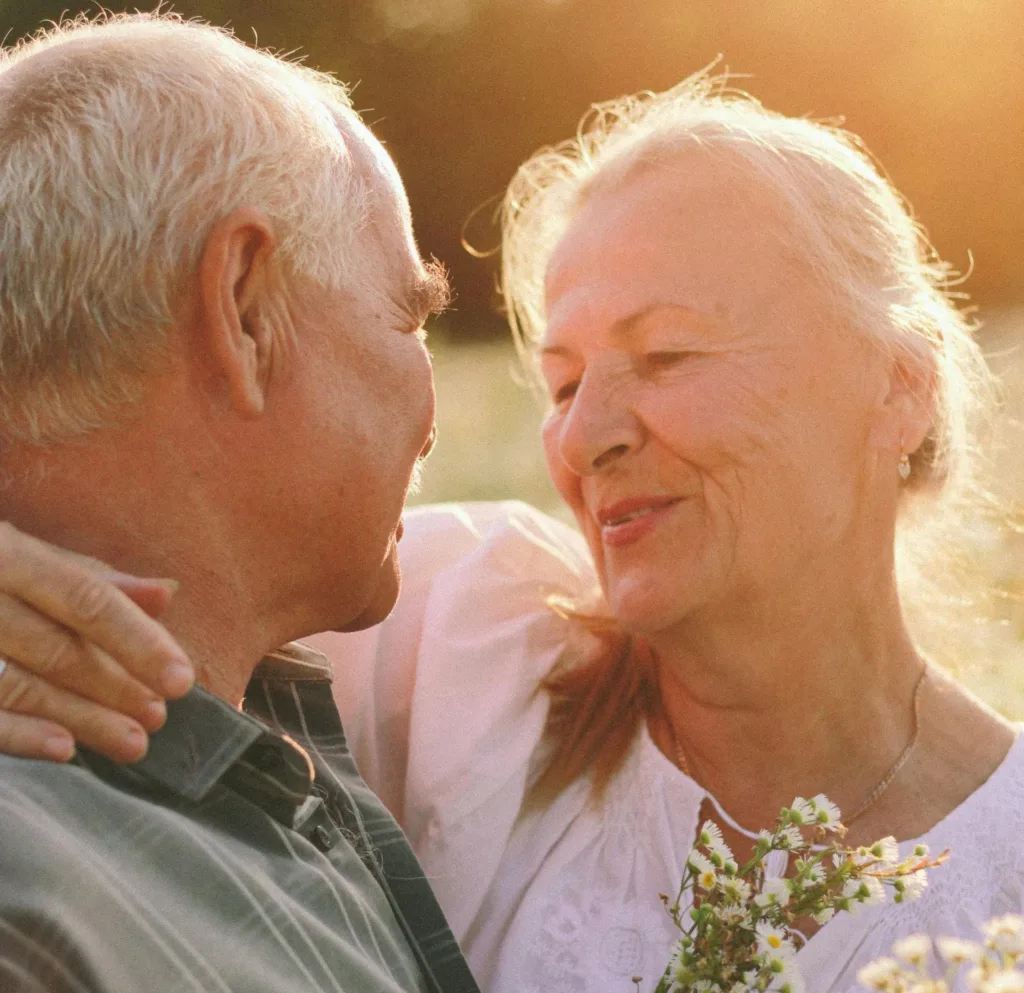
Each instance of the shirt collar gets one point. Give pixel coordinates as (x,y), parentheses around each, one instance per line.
(206,741)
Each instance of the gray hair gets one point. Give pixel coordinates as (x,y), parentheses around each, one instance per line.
(847,226)
(122,141)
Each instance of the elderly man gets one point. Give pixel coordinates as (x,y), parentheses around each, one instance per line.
(211,367)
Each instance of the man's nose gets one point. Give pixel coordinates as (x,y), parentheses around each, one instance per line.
(599,428)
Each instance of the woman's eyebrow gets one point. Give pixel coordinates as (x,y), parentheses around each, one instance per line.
(629,326)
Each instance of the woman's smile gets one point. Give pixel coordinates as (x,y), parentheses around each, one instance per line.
(628,521)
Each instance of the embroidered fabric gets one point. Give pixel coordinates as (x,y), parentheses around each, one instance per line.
(445,721)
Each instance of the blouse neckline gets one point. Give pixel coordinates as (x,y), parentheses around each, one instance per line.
(838,932)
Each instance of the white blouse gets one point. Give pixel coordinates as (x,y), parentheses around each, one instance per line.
(443,713)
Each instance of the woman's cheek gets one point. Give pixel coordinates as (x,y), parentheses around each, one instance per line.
(564,479)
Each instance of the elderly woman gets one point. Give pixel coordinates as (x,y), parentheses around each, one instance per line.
(757,388)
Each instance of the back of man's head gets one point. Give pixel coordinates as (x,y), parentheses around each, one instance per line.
(121,142)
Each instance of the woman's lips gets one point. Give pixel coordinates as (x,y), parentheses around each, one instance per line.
(628,521)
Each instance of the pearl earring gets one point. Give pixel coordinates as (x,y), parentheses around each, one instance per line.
(904,466)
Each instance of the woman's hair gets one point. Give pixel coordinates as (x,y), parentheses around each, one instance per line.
(853,235)
(122,141)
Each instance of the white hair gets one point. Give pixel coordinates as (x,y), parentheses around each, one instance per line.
(850,232)
(122,141)
(846,225)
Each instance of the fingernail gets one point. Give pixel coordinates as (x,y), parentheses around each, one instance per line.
(177,679)
(171,585)
(59,748)
(154,714)
(136,742)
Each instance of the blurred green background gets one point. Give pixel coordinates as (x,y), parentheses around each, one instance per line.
(461,91)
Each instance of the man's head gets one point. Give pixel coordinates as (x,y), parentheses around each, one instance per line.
(207,262)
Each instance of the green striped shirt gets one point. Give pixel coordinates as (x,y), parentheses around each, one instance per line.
(227,860)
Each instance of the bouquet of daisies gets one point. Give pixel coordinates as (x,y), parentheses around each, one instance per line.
(741,930)
(995,964)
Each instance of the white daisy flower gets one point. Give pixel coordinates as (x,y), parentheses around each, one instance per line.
(879,974)
(790,839)
(699,861)
(706,875)
(776,890)
(736,890)
(915,949)
(710,835)
(824,915)
(976,979)
(788,980)
(731,914)
(915,884)
(1009,981)
(772,941)
(706,986)
(886,849)
(776,963)
(827,814)
(956,951)
(866,890)
(803,810)
(814,875)
(711,838)
(1005,934)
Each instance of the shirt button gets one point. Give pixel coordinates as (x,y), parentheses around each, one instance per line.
(322,838)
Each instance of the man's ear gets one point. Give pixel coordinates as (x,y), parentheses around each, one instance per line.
(908,411)
(237,272)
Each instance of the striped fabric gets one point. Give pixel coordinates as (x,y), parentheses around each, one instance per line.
(228,860)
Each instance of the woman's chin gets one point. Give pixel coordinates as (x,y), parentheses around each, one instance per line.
(646,612)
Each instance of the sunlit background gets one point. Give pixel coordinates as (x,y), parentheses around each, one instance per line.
(462,90)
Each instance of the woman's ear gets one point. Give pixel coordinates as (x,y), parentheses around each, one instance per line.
(908,411)
(237,274)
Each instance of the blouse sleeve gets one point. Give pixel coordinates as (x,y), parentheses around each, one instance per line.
(441,702)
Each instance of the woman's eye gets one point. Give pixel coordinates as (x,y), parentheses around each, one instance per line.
(664,360)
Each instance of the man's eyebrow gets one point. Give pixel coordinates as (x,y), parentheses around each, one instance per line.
(430,292)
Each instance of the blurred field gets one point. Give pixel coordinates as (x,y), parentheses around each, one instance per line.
(488,449)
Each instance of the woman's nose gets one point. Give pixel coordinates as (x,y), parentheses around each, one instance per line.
(598,429)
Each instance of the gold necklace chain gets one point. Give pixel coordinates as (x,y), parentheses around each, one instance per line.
(882,785)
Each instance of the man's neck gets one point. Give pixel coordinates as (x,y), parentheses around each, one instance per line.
(158,524)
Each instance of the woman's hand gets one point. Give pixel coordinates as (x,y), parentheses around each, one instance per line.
(86,661)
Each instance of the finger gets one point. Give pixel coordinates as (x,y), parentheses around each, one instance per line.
(152,595)
(92,726)
(60,657)
(33,738)
(70,593)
